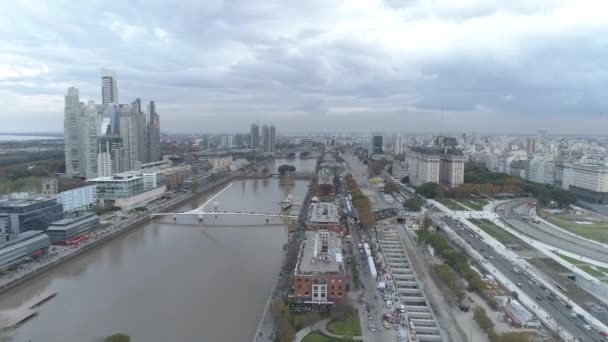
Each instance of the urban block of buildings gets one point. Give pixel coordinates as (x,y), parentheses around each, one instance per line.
(102,139)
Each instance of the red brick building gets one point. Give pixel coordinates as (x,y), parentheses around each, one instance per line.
(319,276)
(325,216)
(324,186)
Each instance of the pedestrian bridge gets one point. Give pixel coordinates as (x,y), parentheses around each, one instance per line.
(201,214)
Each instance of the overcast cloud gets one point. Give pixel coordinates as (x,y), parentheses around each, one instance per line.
(353,65)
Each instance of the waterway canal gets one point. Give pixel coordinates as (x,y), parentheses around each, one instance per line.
(172,281)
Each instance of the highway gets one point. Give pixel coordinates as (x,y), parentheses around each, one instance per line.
(556,307)
(514,210)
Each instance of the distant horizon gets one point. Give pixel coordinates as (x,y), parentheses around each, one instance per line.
(549,134)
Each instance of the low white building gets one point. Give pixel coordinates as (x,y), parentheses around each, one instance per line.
(83,198)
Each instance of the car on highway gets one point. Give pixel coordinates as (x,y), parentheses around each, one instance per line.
(587,327)
(519,284)
(572,315)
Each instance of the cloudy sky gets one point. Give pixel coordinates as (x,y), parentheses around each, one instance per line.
(314,65)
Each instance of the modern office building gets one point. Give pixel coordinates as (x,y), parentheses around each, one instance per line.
(376,144)
(91,130)
(63,231)
(142,132)
(255,136)
(22,212)
(319,275)
(24,245)
(273,138)
(129,135)
(111,156)
(124,190)
(153,133)
(79,199)
(266,139)
(72,130)
(153,179)
(119,185)
(109,87)
(325,216)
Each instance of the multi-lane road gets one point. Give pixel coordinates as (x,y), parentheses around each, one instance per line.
(553,305)
(514,211)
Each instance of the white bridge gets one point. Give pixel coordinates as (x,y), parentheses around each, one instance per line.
(201,214)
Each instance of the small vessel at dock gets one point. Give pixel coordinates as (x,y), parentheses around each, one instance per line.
(287,202)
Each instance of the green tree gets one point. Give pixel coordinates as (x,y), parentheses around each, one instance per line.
(283,169)
(413,203)
(285,331)
(118,338)
(426,222)
(390,187)
(429,190)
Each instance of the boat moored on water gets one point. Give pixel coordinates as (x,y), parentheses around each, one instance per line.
(286,203)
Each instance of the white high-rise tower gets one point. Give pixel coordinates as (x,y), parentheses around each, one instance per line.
(109,88)
(72,131)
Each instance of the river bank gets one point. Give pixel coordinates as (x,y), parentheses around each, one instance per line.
(280,289)
(171,203)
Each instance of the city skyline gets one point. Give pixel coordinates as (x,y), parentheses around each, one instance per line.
(367,66)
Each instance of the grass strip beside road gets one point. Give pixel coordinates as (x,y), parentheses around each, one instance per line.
(348,326)
(593,270)
(496,232)
(596,231)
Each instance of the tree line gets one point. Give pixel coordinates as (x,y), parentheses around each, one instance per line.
(457,260)
(360,202)
(478,181)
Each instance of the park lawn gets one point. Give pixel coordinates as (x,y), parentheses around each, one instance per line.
(471,204)
(317,337)
(349,326)
(477,204)
(452,205)
(495,231)
(597,231)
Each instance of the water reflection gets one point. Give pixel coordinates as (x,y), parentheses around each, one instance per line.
(169,281)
